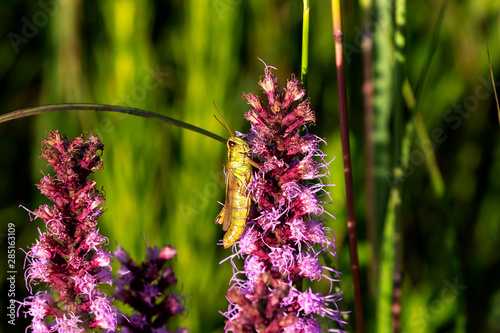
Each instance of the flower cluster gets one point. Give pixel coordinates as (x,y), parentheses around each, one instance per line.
(144,289)
(262,311)
(68,257)
(286,239)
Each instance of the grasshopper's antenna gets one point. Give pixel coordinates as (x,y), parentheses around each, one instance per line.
(226,127)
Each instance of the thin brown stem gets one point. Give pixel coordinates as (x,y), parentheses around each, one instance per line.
(344,133)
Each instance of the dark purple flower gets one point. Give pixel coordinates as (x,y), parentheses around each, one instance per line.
(68,258)
(282,245)
(144,288)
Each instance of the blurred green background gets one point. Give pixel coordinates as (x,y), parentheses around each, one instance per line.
(162,183)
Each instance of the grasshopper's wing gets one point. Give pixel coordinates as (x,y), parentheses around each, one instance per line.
(231,187)
(246,179)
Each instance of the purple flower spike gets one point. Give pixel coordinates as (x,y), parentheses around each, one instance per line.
(68,257)
(144,288)
(282,245)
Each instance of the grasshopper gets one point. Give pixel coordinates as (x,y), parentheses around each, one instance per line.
(234,214)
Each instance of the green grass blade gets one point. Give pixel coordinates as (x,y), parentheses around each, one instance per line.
(418,124)
(387,260)
(435,175)
(432,48)
(383,81)
(383,69)
(412,101)
(304,69)
(400,70)
(107,108)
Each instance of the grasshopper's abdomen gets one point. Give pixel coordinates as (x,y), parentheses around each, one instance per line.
(240,207)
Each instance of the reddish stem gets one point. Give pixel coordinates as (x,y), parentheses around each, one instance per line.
(344,133)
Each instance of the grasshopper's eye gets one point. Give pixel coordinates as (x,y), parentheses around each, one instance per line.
(231,143)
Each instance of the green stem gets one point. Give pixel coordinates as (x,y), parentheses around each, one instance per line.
(387,255)
(432,48)
(108,108)
(387,195)
(417,124)
(390,281)
(304,70)
(383,82)
(397,273)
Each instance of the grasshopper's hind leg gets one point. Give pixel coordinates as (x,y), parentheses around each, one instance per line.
(220,218)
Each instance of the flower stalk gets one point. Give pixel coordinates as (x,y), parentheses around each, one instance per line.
(68,257)
(286,236)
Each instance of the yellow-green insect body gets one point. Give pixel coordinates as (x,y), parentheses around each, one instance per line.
(234,214)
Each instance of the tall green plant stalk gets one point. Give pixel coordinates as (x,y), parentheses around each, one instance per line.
(304,69)
(387,255)
(397,275)
(383,67)
(390,282)
(344,132)
(385,205)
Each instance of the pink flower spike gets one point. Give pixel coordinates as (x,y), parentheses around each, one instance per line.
(286,233)
(68,258)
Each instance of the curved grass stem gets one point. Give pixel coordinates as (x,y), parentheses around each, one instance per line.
(108,108)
